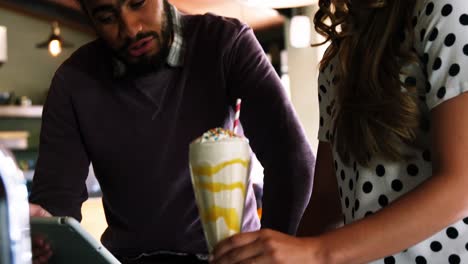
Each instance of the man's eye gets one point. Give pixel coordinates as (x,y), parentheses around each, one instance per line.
(137,4)
(106,19)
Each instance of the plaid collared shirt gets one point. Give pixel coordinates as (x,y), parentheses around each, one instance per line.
(175,57)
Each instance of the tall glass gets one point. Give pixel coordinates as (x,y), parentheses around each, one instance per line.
(219,171)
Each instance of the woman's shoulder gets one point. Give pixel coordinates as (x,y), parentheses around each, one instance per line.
(329,69)
(440,22)
(441,40)
(440,8)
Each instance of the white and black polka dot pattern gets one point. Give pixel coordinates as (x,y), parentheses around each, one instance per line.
(441,28)
(444,49)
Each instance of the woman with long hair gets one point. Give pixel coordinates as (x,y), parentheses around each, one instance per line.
(393,140)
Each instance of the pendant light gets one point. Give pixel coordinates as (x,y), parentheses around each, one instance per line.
(300,24)
(55,43)
(300,29)
(3,45)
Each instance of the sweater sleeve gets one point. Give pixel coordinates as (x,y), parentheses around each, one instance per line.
(62,166)
(275,134)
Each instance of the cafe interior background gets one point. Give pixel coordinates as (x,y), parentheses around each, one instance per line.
(36,36)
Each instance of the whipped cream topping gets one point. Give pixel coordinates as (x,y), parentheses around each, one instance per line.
(218,134)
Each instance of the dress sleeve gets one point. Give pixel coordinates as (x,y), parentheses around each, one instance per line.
(274,131)
(62,166)
(325,104)
(442,42)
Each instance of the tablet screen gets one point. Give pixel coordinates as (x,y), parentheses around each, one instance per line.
(69,242)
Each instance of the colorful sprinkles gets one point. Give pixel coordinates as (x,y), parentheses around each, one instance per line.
(217,134)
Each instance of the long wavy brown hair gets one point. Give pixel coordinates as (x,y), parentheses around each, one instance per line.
(372,40)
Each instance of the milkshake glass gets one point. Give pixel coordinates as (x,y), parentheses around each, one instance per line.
(219,166)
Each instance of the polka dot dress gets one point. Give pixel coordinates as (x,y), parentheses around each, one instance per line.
(441,41)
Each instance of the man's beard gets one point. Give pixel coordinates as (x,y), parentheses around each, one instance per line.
(146,64)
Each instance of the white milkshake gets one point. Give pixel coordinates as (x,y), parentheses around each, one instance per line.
(219,165)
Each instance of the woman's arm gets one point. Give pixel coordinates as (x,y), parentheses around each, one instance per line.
(267,246)
(324,210)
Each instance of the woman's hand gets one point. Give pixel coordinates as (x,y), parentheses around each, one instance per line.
(40,247)
(266,246)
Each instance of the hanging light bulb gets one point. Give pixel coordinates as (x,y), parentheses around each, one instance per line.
(55,43)
(300,26)
(299,31)
(3,45)
(55,47)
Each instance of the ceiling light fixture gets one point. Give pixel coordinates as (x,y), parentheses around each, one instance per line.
(55,43)
(300,23)
(300,31)
(3,45)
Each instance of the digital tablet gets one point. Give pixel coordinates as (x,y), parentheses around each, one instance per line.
(69,242)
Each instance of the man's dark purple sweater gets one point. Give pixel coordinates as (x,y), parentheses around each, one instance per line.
(136,132)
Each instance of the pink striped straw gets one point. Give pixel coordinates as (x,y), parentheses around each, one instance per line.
(236,119)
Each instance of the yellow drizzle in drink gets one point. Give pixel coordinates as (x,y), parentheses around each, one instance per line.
(212,170)
(218,187)
(230,216)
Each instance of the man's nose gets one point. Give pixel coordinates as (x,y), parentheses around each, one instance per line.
(130,26)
